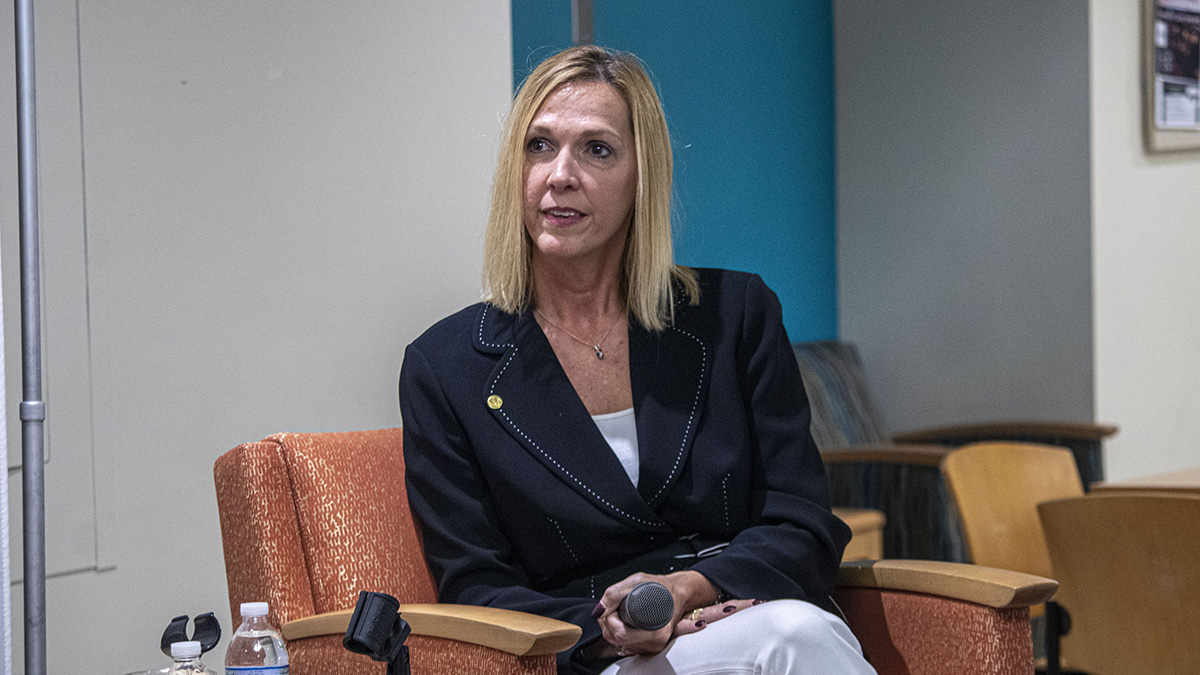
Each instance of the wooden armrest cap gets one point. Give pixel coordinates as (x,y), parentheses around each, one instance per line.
(860,520)
(973,583)
(897,453)
(517,633)
(1002,430)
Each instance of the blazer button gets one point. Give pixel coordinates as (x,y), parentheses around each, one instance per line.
(494,402)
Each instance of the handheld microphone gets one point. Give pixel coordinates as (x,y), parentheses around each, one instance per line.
(649,606)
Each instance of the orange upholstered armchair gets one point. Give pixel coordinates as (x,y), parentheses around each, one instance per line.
(309,520)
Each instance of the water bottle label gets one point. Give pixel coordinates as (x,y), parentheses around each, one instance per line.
(256,670)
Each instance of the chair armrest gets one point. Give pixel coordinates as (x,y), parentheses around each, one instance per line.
(1003,430)
(900,453)
(973,583)
(517,633)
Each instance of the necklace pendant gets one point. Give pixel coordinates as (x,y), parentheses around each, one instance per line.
(599,353)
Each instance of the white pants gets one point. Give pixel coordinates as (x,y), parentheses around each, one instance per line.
(784,637)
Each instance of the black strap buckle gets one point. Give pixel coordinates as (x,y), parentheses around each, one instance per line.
(377,630)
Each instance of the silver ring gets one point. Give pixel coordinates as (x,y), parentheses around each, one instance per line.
(621,651)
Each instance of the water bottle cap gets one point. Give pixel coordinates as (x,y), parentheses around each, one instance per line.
(185,650)
(254,609)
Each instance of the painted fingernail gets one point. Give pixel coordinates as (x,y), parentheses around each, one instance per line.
(700,624)
(728,608)
(757,602)
(598,610)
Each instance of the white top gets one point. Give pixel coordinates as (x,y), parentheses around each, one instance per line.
(185,650)
(253,609)
(620,430)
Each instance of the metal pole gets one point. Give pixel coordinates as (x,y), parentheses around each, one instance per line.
(582,26)
(33,410)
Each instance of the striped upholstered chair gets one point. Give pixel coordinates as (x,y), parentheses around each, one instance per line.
(898,473)
(308,520)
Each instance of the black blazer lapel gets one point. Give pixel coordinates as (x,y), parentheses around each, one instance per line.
(530,396)
(670,372)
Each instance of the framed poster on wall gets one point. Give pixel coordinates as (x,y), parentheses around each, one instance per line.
(1171,74)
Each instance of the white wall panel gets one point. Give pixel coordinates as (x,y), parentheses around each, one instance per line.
(260,205)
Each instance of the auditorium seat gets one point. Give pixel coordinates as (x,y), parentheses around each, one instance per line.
(996,487)
(898,473)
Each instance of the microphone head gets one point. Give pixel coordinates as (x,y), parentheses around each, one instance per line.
(649,606)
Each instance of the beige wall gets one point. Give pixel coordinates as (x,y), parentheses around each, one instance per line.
(248,209)
(1146,250)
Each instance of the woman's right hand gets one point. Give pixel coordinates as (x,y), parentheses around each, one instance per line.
(624,639)
(694,598)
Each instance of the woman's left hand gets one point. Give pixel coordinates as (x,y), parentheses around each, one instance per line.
(700,617)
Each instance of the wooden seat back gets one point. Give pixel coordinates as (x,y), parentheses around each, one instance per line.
(996,487)
(1128,575)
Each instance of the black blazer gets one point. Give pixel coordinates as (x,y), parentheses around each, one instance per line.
(523,505)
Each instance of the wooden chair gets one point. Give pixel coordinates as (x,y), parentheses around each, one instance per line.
(898,474)
(308,520)
(996,488)
(1127,565)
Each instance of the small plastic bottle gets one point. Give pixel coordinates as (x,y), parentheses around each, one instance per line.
(256,648)
(187,659)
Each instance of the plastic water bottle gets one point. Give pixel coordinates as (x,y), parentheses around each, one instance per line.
(256,648)
(187,659)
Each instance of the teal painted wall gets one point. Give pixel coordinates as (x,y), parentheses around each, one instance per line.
(539,29)
(749,99)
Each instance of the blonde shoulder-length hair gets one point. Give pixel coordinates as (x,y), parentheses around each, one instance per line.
(649,275)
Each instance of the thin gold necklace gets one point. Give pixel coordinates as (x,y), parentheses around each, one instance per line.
(585,343)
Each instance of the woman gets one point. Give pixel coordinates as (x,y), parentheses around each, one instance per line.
(606,417)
